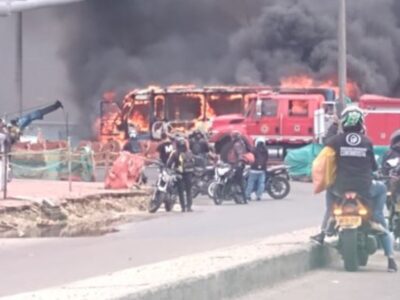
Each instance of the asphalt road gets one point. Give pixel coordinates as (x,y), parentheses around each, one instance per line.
(30,264)
(372,282)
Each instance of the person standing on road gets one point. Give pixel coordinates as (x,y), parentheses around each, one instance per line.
(257,175)
(182,161)
(165,148)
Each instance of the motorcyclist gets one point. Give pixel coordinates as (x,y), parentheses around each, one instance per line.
(165,148)
(356,163)
(182,161)
(393,152)
(199,147)
(238,148)
(258,170)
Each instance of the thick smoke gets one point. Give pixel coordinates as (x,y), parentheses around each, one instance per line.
(124,44)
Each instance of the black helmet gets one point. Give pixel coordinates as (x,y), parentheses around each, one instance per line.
(181,144)
(352,119)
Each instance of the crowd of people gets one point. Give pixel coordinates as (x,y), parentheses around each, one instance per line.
(183,153)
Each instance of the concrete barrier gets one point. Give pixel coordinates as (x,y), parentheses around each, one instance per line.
(213,275)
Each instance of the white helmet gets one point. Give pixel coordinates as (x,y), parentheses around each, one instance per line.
(259,140)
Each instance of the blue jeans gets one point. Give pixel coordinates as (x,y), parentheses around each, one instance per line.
(256,180)
(378,196)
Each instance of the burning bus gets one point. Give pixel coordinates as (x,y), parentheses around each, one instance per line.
(174,108)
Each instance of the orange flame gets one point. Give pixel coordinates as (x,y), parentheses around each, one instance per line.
(305,81)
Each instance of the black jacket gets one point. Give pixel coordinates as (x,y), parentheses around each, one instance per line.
(355,162)
(260,158)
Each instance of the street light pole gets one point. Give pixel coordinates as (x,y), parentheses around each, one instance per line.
(342,61)
(19,63)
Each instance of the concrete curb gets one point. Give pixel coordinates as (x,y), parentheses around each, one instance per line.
(214,275)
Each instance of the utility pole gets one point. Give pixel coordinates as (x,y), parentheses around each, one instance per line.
(19,68)
(342,60)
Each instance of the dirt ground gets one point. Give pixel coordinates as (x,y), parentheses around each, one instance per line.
(94,214)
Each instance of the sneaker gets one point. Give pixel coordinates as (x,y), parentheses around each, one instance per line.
(377,227)
(318,238)
(183,209)
(189,209)
(258,198)
(392,266)
(330,229)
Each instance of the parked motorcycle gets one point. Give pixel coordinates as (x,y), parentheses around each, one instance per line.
(356,240)
(165,192)
(222,188)
(277,184)
(393,196)
(202,178)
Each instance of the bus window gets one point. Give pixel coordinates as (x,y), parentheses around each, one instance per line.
(183,107)
(140,115)
(298,108)
(159,108)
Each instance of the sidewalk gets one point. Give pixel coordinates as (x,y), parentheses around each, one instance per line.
(24,192)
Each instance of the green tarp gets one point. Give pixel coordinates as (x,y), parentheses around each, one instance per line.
(300,160)
(52,165)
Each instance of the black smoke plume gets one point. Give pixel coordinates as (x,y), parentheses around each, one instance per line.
(120,45)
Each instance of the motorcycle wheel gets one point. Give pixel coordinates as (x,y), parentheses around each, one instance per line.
(217,195)
(169,204)
(210,189)
(363,259)
(349,249)
(278,187)
(156,202)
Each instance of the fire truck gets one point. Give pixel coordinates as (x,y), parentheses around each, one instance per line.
(382,117)
(285,120)
(293,120)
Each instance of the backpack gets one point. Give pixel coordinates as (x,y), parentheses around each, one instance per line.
(187,161)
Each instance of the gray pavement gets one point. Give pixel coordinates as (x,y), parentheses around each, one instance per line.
(34,264)
(372,282)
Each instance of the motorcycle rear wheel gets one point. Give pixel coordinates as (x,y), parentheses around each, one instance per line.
(349,249)
(156,201)
(217,195)
(210,189)
(363,259)
(278,187)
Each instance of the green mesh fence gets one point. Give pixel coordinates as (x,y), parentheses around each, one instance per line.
(52,165)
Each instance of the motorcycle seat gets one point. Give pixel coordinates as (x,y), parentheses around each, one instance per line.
(275,168)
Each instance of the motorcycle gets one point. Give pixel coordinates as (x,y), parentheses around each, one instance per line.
(202,178)
(356,240)
(222,188)
(165,191)
(393,196)
(277,184)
